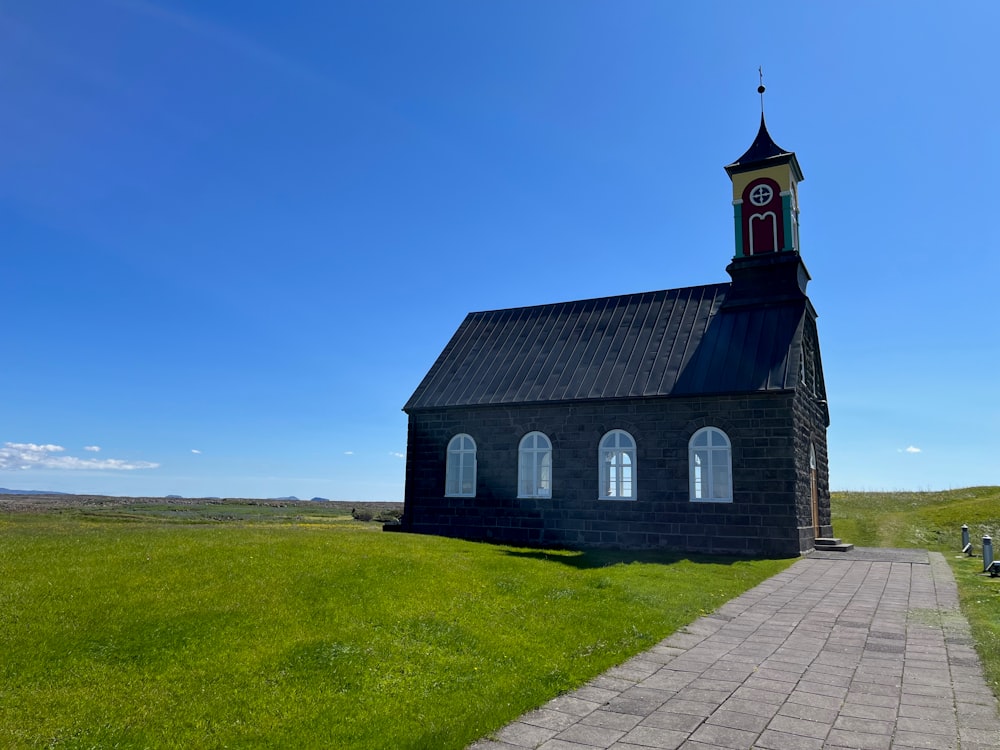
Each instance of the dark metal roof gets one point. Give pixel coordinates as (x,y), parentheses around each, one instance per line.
(666,343)
(761,151)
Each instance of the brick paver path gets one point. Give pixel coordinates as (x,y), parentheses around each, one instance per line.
(865,650)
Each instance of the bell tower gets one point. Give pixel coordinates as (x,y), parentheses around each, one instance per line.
(765,198)
(766,263)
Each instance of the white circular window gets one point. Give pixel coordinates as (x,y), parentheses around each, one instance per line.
(761,195)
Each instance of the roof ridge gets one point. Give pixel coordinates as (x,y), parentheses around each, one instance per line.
(603,298)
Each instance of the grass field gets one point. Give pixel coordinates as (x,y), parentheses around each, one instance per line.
(933,520)
(227,625)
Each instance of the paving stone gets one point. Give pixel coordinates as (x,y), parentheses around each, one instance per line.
(563,745)
(629,706)
(703,683)
(813,699)
(591,735)
(929,741)
(974,709)
(646,736)
(775,686)
(524,735)
(977,722)
(821,688)
(683,640)
(569,704)
(703,696)
(884,678)
(773,673)
(874,688)
(751,708)
(867,699)
(608,682)
(864,711)
(802,727)
(738,720)
(494,745)
(685,664)
(694,708)
(596,694)
(667,679)
(866,726)
(930,701)
(759,696)
(669,720)
(830,679)
(724,737)
(979,735)
(727,673)
(631,675)
(809,713)
(611,720)
(859,740)
(771,740)
(549,719)
(927,726)
(641,664)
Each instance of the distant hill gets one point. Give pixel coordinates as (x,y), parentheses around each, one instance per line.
(5,491)
(321,499)
(290,497)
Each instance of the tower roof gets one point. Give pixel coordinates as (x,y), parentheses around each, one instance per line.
(764,152)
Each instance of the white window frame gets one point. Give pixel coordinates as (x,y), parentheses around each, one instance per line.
(774,228)
(701,468)
(534,466)
(460,459)
(613,455)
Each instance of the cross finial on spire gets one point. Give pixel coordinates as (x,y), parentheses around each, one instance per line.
(760,89)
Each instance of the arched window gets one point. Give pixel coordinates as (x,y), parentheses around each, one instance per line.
(534,466)
(711,466)
(616,459)
(460,471)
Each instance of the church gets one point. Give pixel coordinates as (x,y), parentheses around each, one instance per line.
(690,419)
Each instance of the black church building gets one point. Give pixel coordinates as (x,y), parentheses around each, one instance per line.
(692,419)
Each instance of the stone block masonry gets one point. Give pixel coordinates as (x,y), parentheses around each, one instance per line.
(770,433)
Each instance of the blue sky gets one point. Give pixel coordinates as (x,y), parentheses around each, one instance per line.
(235,235)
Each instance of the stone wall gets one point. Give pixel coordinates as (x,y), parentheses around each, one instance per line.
(811,420)
(765,517)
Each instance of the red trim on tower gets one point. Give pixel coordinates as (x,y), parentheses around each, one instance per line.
(763,219)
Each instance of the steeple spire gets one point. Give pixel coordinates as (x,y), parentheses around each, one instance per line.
(761,90)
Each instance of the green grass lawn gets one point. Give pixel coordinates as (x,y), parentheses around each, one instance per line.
(211,627)
(933,520)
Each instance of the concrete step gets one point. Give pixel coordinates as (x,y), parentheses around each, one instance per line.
(831,544)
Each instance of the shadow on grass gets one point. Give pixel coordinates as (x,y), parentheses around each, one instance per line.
(603,558)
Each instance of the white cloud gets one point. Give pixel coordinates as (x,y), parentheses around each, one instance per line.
(195,450)
(92,448)
(348,453)
(33,456)
(912,449)
(396,454)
